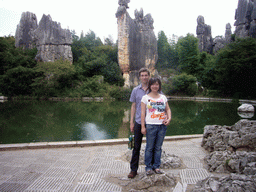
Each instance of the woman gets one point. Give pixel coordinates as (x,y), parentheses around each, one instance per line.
(155,116)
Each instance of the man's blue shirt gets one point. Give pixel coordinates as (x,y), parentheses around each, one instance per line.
(136,95)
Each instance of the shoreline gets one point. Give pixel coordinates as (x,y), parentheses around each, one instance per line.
(85,143)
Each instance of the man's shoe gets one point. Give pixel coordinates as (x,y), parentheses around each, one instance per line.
(132,174)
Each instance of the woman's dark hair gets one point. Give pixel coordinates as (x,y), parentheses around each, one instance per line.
(152,81)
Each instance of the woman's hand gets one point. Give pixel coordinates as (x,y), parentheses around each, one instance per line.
(166,122)
(143,130)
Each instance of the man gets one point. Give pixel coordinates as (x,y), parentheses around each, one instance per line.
(136,95)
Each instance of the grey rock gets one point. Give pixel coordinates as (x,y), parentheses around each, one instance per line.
(24,36)
(204,35)
(246,108)
(232,148)
(245,19)
(51,40)
(137,44)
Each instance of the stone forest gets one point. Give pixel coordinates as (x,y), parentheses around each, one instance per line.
(137,43)
(231,149)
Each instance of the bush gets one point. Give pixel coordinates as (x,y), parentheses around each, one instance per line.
(183,84)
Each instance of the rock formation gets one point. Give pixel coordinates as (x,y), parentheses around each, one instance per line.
(204,34)
(137,44)
(245,19)
(51,40)
(232,150)
(24,36)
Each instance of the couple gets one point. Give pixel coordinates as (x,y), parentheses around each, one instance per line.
(152,115)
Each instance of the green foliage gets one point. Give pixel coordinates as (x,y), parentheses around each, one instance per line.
(51,77)
(183,84)
(206,70)
(188,53)
(236,68)
(99,60)
(16,68)
(17,81)
(167,53)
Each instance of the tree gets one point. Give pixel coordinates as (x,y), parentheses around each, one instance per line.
(50,82)
(16,68)
(236,68)
(163,48)
(188,52)
(184,84)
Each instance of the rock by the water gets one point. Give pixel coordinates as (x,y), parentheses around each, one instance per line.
(137,43)
(246,108)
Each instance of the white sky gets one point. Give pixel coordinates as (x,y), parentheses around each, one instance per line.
(171,16)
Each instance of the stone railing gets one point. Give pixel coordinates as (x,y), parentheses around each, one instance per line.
(210,99)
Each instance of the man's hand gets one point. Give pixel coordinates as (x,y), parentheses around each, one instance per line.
(132,127)
(143,130)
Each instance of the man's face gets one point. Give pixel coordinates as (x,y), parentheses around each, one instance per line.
(144,77)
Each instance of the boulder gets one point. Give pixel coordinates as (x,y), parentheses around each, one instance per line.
(246,108)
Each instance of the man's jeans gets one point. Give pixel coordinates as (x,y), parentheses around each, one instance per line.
(137,145)
(155,137)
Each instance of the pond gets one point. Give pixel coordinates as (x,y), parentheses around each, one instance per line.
(45,121)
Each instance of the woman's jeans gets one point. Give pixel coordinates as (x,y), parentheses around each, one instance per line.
(155,138)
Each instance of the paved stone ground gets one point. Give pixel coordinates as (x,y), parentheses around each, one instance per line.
(84,168)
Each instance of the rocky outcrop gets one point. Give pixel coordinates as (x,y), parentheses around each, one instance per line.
(234,182)
(232,147)
(204,34)
(51,40)
(24,36)
(245,19)
(232,151)
(137,44)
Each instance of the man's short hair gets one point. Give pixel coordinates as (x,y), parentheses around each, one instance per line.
(144,70)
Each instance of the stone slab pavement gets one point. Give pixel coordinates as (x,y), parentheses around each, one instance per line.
(83,168)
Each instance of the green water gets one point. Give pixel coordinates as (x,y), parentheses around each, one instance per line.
(44,121)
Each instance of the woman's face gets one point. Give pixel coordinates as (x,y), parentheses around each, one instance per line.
(154,87)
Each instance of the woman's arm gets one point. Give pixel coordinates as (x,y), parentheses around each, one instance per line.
(168,115)
(143,115)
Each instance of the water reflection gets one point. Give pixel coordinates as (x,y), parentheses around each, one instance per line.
(92,131)
(44,121)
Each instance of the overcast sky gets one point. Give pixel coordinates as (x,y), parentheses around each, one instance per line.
(171,16)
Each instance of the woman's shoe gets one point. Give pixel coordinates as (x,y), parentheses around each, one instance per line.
(149,172)
(158,171)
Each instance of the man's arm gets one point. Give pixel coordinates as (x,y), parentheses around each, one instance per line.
(133,110)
